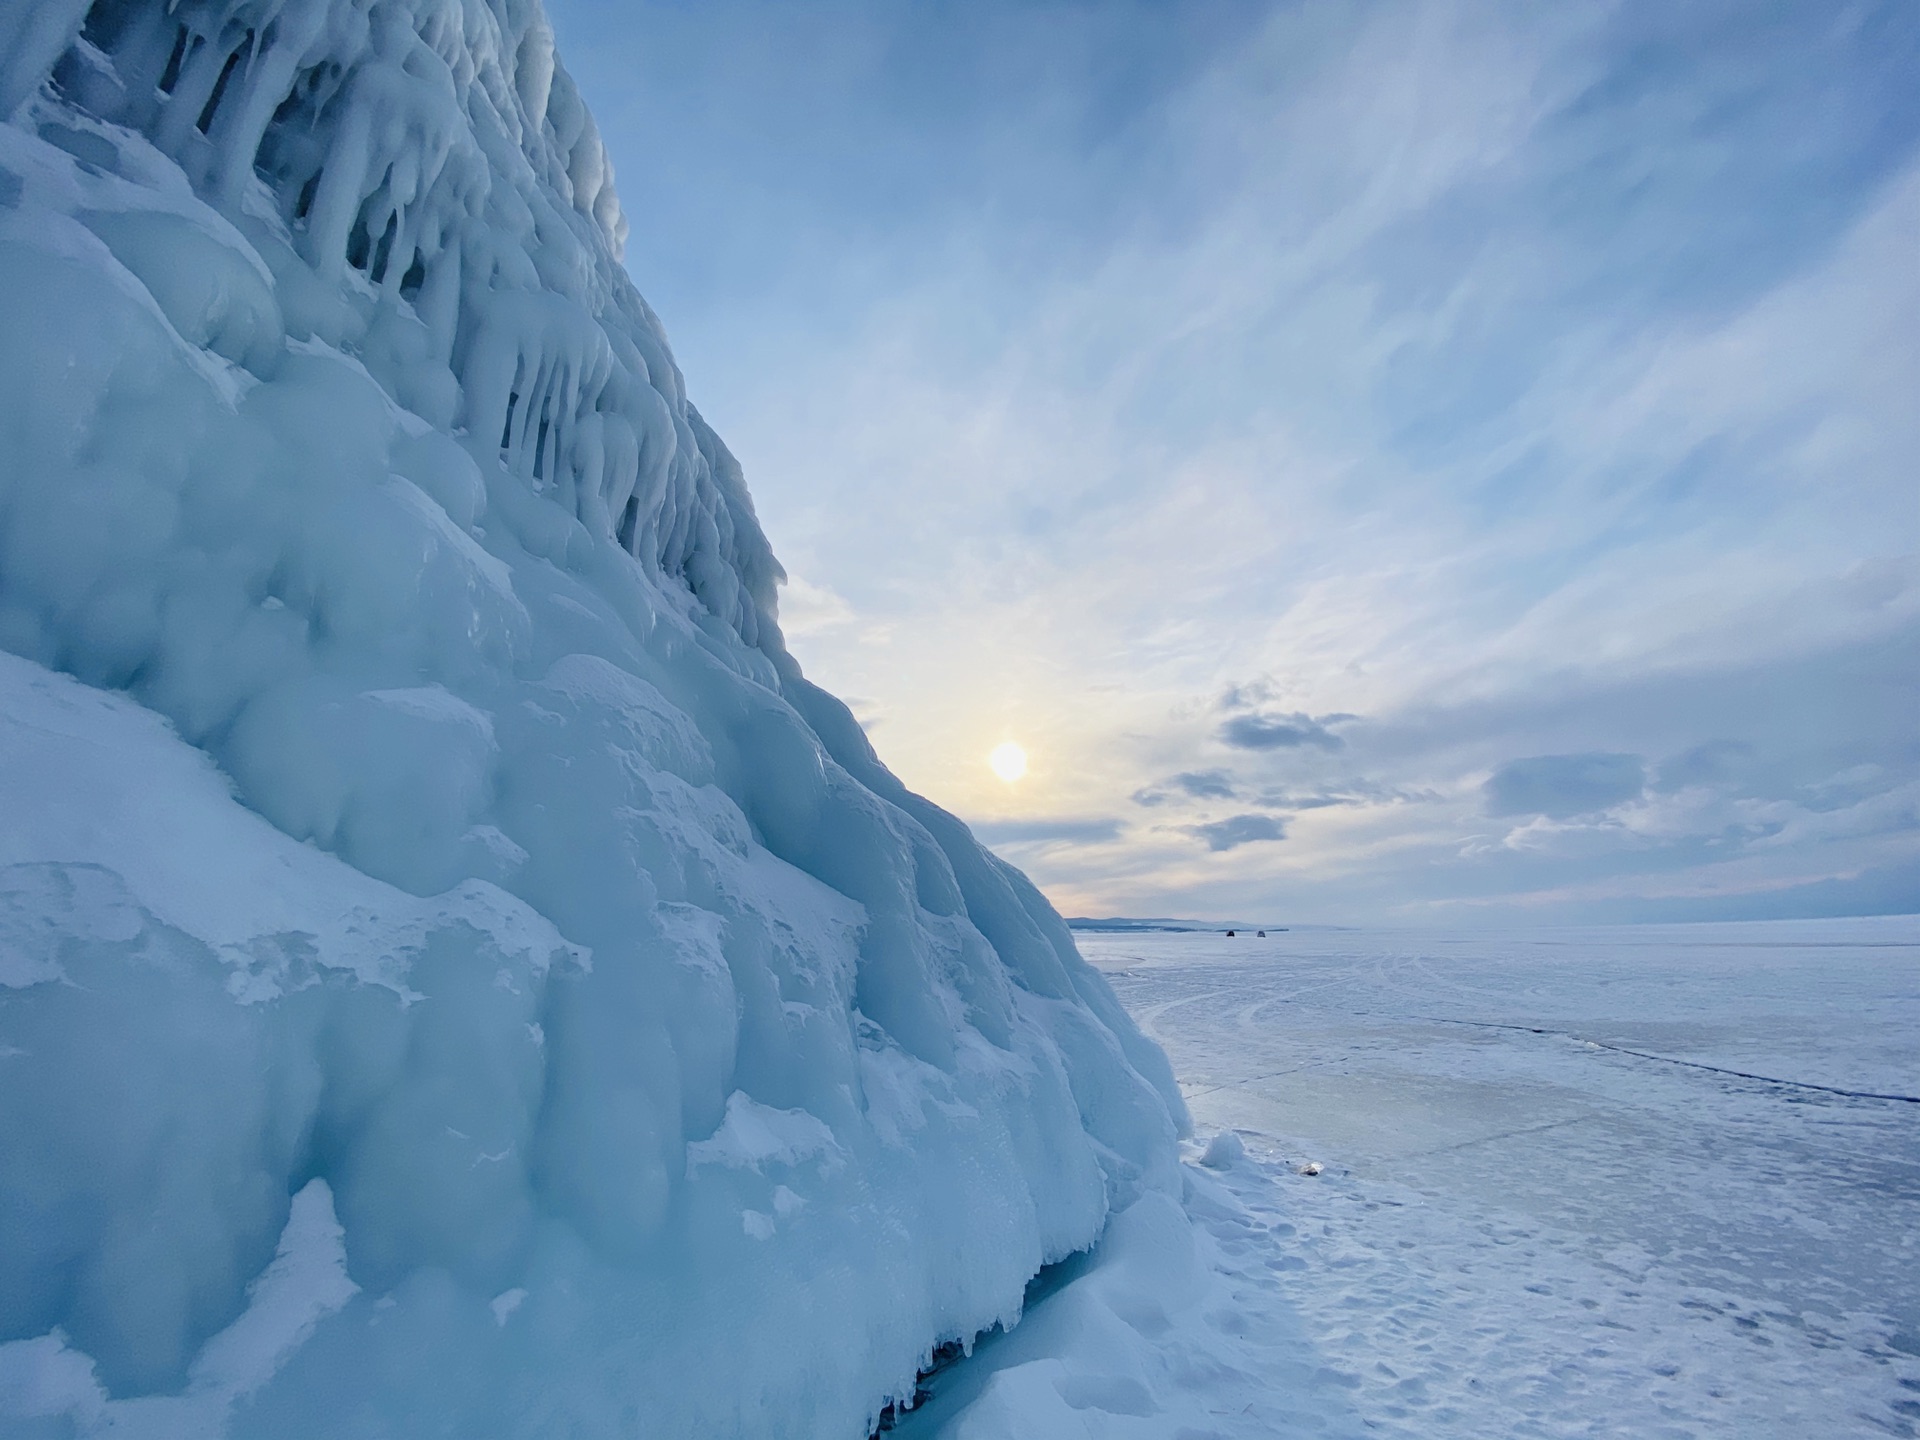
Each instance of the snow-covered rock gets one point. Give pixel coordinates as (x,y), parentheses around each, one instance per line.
(456,975)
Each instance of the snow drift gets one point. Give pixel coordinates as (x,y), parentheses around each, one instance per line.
(456,975)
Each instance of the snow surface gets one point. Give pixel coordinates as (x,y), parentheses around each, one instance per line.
(1546,1207)
(456,975)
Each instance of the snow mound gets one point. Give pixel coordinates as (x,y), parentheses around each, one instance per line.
(1224,1151)
(456,975)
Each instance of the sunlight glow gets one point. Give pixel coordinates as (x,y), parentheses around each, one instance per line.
(1009,761)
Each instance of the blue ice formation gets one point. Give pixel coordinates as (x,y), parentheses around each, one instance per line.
(456,975)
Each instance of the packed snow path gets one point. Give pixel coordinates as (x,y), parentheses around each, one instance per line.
(1531,1220)
(456,975)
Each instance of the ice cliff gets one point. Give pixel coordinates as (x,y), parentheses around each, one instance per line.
(456,976)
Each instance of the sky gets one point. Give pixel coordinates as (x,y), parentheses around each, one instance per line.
(1400,462)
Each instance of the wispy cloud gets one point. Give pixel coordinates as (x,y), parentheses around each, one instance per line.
(1257,731)
(1562,786)
(1238,830)
(1042,831)
(1397,422)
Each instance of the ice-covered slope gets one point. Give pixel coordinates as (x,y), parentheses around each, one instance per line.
(624,1051)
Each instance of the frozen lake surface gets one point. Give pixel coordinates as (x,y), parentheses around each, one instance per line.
(1555,1200)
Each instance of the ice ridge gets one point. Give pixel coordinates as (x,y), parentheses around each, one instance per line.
(435,152)
(457,976)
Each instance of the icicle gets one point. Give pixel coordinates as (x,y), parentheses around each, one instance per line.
(270,79)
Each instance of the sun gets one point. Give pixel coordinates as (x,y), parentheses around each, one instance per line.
(1009,761)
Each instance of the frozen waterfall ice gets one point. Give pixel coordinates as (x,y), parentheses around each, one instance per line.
(456,975)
